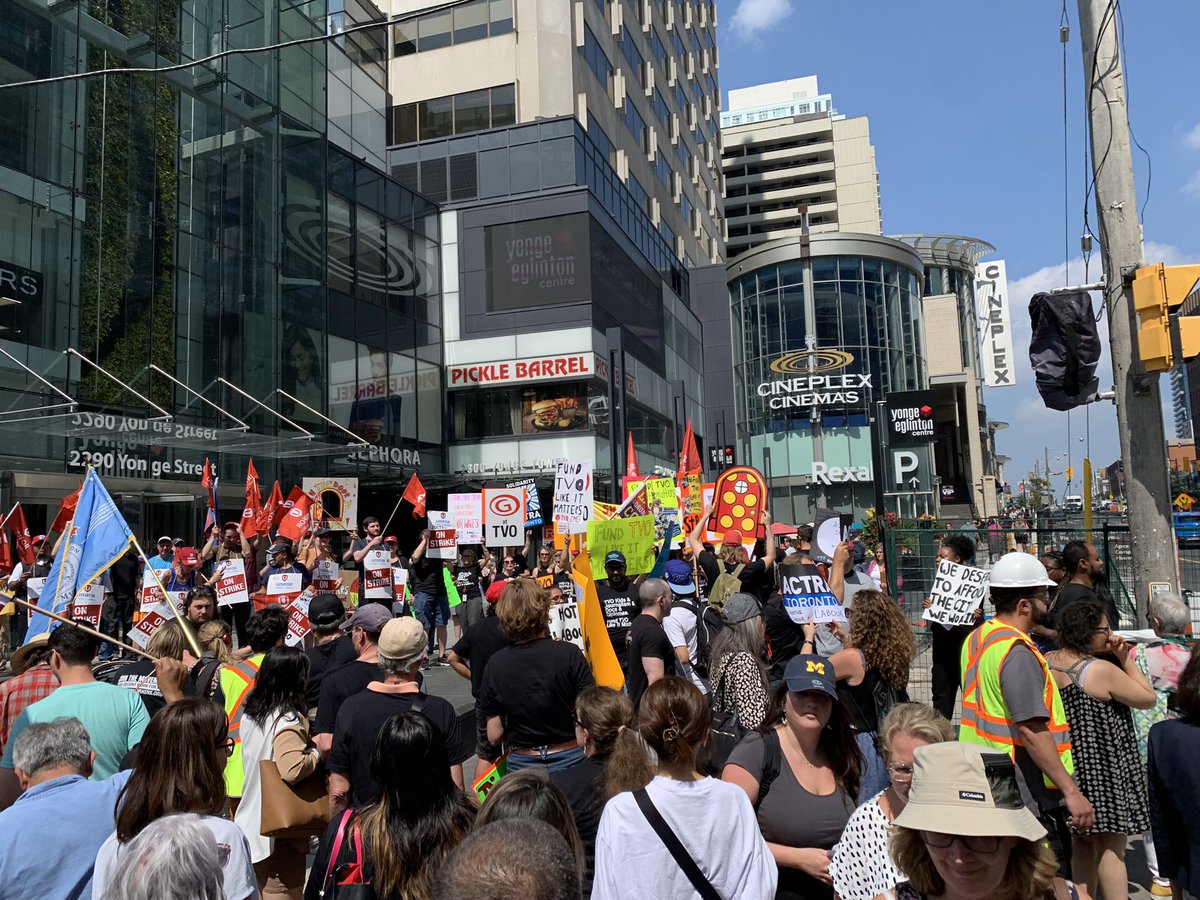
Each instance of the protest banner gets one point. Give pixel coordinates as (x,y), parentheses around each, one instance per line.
(283,588)
(399,580)
(806,595)
(377,568)
(573,496)
(150,594)
(957,592)
(152,618)
(298,624)
(229,581)
(738,501)
(503,516)
(565,624)
(633,536)
(88,604)
(325,577)
(466,512)
(664,506)
(829,530)
(337,501)
(443,539)
(630,485)
(636,504)
(533,503)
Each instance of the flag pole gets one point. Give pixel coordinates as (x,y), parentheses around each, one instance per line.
(393,515)
(10,512)
(185,625)
(86,629)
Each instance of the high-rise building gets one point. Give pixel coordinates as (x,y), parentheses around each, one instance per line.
(1181,402)
(783,145)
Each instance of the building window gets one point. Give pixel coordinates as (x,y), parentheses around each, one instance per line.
(457,114)
(596,58)
(404,123)
(471,21)
(662,169)
(472,111)
(658,49)
(635,123)
(504,105)
(501,17)
(660,108)
(434,31)
(632,53)
(436,117)
(404,38)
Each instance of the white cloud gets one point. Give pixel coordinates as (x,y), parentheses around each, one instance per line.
(1192,138)
(753,16)
(1192,188)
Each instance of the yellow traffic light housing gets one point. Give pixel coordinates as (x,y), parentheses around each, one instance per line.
(1070,473)
(1158,289)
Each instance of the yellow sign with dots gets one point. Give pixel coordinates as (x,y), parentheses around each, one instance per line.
(739,497)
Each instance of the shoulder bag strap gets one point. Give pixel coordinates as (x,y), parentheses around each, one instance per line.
(702,885)
(419,703)
(337,848)
(772,761)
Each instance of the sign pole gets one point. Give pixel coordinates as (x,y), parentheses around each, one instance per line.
(86,629)
(188,633)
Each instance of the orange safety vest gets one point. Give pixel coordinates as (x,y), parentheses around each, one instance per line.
(236,682)
(986,719)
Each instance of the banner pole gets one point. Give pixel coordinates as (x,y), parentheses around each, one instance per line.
(393,515)
(87,629)
(10,512)
(188,631)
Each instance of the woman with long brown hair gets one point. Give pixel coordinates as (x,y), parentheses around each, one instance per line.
(712,822)
(872,676)
(802,773)
(180,769)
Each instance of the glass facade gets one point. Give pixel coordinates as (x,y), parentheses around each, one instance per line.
(209,223)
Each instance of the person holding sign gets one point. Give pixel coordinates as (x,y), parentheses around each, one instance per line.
(620,604)
(282,561)
(468,579)
(948,639)
(185,571)
(732,558)
(651,654)
(234,545)
(427,583)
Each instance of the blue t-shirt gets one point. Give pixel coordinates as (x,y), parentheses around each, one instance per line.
(157,562)
(114,718)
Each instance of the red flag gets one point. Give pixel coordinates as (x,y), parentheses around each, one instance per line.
(298,519)
(66,511)
(210,496)
(21,536)
(631,466)
(415,494)
(292,499)
(253,508)
(272,512)
(6,556)
(689,455)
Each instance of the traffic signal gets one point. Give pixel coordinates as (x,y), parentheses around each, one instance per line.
(1070,473)
(1158,289)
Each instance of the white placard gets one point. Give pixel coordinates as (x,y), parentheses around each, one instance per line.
(33,588)
(399,580)
(325,578)
(153,617)
(466,511)
(283,588)
(443,540)
(151,594)
(565,624)
(573,496)
(298,624)
(377,573)
(88,604)
(229,581)
(504,516)
(995,324)
(957,592)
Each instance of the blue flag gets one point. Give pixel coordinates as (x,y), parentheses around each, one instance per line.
(96,538)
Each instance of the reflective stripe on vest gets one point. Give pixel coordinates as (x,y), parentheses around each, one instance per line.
(236,681)
(986,719)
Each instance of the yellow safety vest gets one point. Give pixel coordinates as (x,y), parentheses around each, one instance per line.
(986,719)
(236,682)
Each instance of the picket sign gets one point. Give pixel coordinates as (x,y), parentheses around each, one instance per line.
(88,604)
(377,566)
(33,588)
(466,512)
(633,537)
(957,592)
(807,597)
(298,624)
(503,516)
(325,577)
(573,496)
(150,594)
(230,582)
(399,580)
(565,624)
(283,588)
(152,619)
(443,538)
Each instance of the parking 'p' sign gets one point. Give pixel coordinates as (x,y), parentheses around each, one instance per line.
(503,516)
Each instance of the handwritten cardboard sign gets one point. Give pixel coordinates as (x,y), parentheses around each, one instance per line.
(466,511)
(565,624)
(957,592)
(573,496)
(633,536)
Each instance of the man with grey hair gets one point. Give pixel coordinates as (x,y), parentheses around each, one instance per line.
(485,866)
(651,655)
(53,761)
(402,649)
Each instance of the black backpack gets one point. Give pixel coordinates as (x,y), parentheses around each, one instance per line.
(707,627)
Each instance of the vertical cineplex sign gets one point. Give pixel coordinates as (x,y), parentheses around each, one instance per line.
(995,324)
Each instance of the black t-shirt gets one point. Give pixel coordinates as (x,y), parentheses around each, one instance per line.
(324,658)
(338,686)
(648,640)
(753,576)
(784,636)
(466,580)
(620,607)
(425,577)
(357,730)
(583,783)
(1073,593)
(124,575)
(481,642)
(137,676)
(551,576)
(532,687)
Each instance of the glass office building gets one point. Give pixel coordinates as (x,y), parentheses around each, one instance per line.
(818,337)
(209,262)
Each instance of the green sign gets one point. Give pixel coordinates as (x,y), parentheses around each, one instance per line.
(633,536)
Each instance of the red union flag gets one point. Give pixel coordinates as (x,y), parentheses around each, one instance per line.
(295,494)
(298,520)
(66,512)
(270,513)
(253,503)
(414,493)
(21,536)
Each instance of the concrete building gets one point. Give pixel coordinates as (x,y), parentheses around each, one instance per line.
(1181,405)
(783,144)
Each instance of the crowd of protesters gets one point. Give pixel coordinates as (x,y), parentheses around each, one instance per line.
(747,755)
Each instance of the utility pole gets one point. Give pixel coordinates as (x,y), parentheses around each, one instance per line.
(1139,407)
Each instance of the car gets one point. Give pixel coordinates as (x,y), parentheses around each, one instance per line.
(1073,503)
(1187,529)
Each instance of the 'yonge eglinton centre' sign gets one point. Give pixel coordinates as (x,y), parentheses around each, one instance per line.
(816,381)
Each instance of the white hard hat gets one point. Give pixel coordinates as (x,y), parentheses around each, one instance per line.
(1019,570)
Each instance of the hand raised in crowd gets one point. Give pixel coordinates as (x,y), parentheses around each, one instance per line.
(841,554)
(354,534)
(171,675)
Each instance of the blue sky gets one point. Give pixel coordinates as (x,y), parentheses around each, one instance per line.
(965,101)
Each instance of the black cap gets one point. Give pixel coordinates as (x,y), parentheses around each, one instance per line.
(323,532)
(326,610)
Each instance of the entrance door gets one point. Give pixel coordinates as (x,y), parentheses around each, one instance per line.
(153,515)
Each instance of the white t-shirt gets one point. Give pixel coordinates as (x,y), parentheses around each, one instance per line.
(716,825)
(232,848)
(680,626)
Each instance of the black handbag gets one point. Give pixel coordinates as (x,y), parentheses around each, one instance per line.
(345,882)
(726,733)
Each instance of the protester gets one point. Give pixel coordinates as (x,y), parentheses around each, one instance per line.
(234,545)
(1097,696)
(427,582)
(484,867)
(738,675)
(114,717)
(275,727)
(713,821)
(468,580)
(946,672)
(876,570)
(185,571)
(18,584)
(181,855)
(332,648)
(965,832)
(532,794)
(118,612)
(402,649)
(1012,704)
(342,683)
(1174,786)
(1085,572)
(419,817)
(554,571)
(180,765)
(805,759)
(32,680)
(685,625)
(200,606)
(872,674)
(470,656)
(529,689)
(319,550)
(140,675)
(281,558)
(356,553)
(1161,661)
(859,865)
(651,655)
(165,557)
(732,558)
(620,604)
(215,639)
(53,761)
(845,581)
(1043,635)
(604,729)
(508,570)
(266,629)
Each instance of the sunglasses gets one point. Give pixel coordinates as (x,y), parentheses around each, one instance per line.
(974,843)
(227,745)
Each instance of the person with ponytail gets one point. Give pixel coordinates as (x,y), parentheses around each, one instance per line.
(712,822)
(397,844)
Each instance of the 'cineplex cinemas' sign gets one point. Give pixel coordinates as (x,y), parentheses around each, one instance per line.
(817,381)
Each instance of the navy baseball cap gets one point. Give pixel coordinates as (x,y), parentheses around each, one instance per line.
(810,673)
(614,556)
(679,576)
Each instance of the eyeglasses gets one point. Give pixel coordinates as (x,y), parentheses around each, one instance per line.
(575,719)
(901,773)
(509,562)
(974,843)
(228,744)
